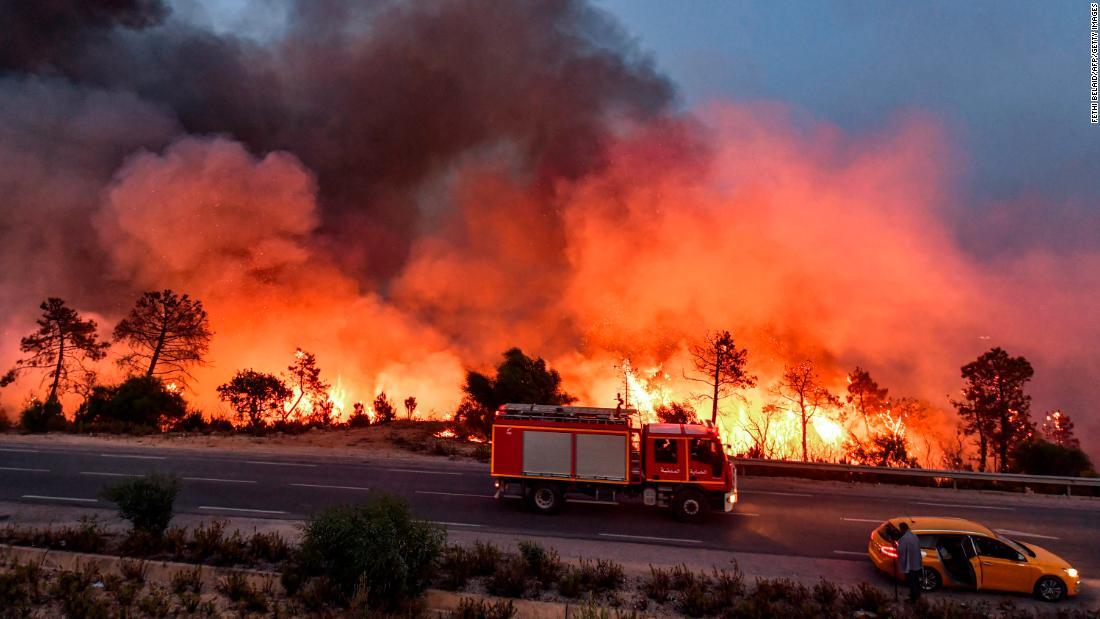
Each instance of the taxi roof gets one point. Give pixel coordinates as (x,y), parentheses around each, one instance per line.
(943,524)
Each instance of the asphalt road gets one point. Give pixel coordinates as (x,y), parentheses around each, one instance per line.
(800,519)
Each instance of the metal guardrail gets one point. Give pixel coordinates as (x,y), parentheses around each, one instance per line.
(856,469)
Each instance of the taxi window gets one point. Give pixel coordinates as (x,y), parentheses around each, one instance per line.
(927,540)
(666,451)
(989,547)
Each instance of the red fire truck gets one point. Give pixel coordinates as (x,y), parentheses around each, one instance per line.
(545,452)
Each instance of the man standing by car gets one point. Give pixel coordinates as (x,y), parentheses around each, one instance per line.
(909,560)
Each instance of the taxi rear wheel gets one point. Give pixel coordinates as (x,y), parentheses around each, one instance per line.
(930,580)
(1050,589)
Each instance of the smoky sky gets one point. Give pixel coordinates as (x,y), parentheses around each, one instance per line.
(372,97)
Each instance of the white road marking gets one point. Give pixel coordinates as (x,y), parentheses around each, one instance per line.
(133,456)
(750,492)
(269,463)
(1024,534)
(652,539)
(59,498)
(864,520)
(849,552)
(330,487)
(222,481)
(1003,509)
(104,474)
(479,496)
(457,524)
(15,468)
(241,509)
(591,502)
(18,451)
(422,471)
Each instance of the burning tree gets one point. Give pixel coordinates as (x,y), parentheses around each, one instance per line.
(1058,429)
(866,398)
(304,378)
(723,365)
(254,396)
(63,342)
(519,379)
(759,430)
(801,388)
(676,412)
(410,407)
(166,333)
(994,405)
(384,411)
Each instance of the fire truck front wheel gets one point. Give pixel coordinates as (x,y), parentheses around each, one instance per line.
(545,498)
(689,505)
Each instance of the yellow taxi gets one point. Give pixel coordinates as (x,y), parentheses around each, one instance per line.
(963,554)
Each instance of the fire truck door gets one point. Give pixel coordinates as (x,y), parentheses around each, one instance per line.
(705,463)
(668,458)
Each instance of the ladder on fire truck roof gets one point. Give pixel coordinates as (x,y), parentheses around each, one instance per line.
(573,414)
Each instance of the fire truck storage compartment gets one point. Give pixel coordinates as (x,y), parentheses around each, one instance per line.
(601,457)
(547,454)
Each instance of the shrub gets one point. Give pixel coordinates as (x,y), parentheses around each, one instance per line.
(138,401)
(41,417)
(185,581)
(1039,457)
(220,424)
(485,558)
(865,597)
(146,502)
(456,566)
(88,536)
(155,603)
(378,543)
(543,565)
(270,547)
(658,585)
(607,575)
(5,421)
(133,571)
(192,422)
(509,579)
(571,584)
(474,608)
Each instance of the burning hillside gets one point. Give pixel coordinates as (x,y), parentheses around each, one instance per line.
(408,190)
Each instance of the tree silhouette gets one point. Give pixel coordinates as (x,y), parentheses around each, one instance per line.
(384,411)
(801,387)
(62,344)
(866,398)
(1058,429)
(410,407)
(519,378)
(676,412)
(166,333)
(759,427)
(254,396)
(994,405)
(722,364)
(304,380)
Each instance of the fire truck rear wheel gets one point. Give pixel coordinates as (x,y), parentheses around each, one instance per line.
(545,498)
(689,505)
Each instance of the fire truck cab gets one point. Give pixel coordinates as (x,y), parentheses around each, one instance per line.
(544,454)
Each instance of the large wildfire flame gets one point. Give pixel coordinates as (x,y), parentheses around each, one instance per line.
(407,221)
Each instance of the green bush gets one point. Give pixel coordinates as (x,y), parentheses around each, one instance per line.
(41,417)
(474,608)
(456,566)
(377,543)
(543,565)
(509,579)
(1039,457)
(146,502)
(139,401)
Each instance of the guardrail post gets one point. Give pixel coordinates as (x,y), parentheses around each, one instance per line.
(1069,490)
